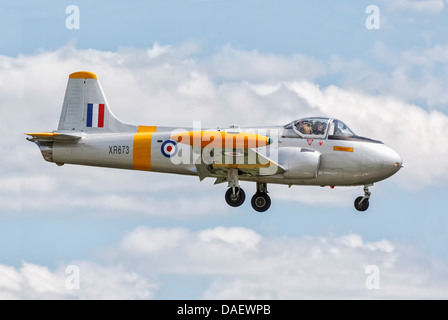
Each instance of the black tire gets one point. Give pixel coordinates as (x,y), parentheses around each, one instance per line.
(261,202)
(235,201)
(361,206)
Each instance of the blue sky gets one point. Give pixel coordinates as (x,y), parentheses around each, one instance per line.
(148,235)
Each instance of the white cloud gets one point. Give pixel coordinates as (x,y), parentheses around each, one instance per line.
(235,236)
(416,76)
(233,64)
(198,86)
(242,264)
(9,281)
(37,184)
(144,241)
(32,281)
(238,263)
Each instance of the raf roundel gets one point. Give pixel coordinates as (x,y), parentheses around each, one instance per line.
(169,148)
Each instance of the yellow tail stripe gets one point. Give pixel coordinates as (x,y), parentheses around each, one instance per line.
(142,148)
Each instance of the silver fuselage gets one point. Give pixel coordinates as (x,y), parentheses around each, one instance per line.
(341,162)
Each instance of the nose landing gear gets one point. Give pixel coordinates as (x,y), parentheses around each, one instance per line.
(362,203)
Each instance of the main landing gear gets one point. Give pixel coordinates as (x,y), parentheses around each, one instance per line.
(261,201)
(362,203)
(235,195)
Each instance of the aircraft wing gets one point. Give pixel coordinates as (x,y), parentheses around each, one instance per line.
(249,163)
(221,151)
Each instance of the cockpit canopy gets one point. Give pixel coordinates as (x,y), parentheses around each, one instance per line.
(319,127)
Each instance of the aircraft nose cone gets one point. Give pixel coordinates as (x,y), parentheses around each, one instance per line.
(399,163)
(380,162)
(393,160)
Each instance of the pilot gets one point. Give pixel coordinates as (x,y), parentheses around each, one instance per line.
(304,127)
(318,128)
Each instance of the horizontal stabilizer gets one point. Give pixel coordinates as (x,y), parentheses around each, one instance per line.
(53,136)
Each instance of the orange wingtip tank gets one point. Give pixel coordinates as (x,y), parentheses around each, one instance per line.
(222,139)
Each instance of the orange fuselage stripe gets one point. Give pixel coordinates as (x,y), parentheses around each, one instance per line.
(221,139)
(142,148)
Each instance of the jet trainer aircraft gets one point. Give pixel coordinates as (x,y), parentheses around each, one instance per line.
(309,151)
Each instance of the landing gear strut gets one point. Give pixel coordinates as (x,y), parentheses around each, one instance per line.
(235,196)
(362,203)
(261,201)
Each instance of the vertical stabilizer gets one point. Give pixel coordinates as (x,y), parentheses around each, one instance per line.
(86,109)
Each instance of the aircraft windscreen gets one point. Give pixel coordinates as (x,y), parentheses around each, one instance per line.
(339,129)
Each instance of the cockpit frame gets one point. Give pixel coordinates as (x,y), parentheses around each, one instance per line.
(319,128)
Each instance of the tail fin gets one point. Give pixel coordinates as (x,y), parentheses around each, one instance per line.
(85,107)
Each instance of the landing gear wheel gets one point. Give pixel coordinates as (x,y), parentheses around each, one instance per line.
(235,199)
(261,202)
(361,206)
